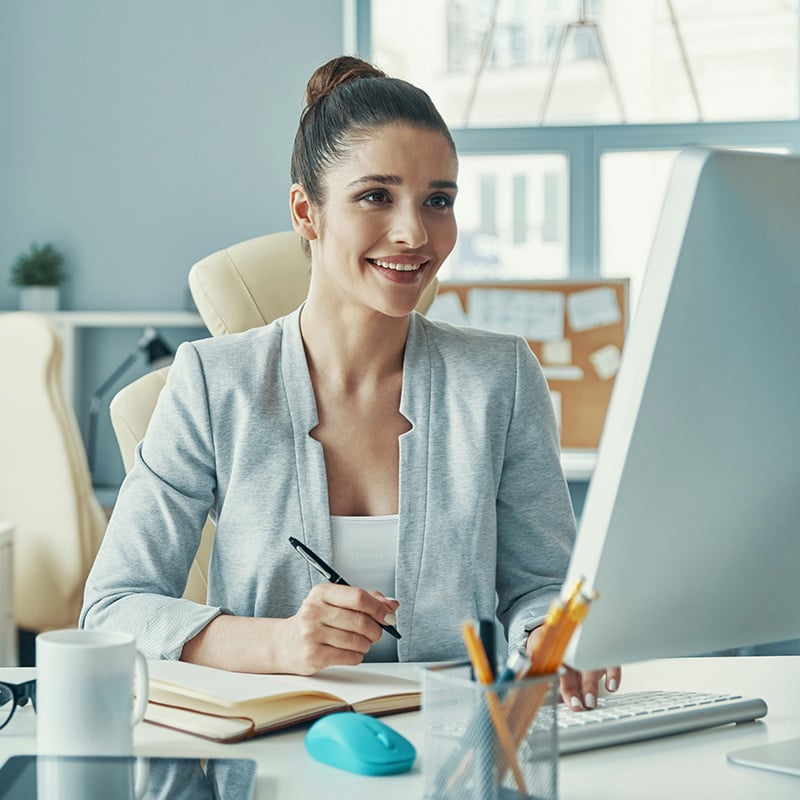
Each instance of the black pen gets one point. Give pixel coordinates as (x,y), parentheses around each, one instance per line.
(331,574)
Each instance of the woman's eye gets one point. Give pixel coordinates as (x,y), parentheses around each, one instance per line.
(440,201)
(378,196)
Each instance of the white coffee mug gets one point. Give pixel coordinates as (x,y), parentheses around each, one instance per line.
(91,778)
(85,684)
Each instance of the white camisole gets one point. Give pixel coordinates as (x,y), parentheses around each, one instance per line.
(365,553)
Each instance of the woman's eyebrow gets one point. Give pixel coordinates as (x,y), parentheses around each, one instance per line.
(444,185)
(391,180)
(396,180)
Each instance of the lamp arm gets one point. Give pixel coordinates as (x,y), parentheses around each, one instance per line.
(94,407)
(112,379)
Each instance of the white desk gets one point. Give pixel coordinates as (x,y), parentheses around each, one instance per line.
(688,766)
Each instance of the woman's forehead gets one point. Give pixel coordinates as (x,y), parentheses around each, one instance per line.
(398,150)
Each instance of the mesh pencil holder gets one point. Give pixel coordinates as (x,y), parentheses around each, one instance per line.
(488,742)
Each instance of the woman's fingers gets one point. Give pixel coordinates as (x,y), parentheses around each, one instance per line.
(580,690)
(338,625)
(370,604)
(613,678)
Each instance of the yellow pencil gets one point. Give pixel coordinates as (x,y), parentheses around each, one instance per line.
(483,672)
(557,618)
(551,660)
(573,616)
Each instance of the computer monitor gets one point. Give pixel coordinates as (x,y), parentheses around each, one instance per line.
(690,532)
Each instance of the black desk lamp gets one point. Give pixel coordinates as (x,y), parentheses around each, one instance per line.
(155,349)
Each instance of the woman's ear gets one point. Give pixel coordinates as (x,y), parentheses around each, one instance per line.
(303,213)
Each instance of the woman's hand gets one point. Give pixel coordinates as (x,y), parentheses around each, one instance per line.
(334,625)
(580,690)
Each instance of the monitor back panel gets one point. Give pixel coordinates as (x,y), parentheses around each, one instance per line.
(691,528)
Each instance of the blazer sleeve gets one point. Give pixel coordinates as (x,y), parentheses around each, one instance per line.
(535,521)
(140,572)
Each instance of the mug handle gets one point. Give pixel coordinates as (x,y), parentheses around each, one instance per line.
(142,781)
(142,688)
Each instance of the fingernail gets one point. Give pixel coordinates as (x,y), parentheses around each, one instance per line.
(589,700)
(575,702)
(390,619)
(392,599)
(612,685)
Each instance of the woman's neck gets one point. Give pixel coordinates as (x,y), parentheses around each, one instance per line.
(350,349)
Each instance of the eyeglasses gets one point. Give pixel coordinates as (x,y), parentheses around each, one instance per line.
(13,695)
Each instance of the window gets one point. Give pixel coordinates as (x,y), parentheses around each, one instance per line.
(489,62)
(577,191)
(512,218)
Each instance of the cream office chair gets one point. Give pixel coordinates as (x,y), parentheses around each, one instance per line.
(235,289)
(45,487)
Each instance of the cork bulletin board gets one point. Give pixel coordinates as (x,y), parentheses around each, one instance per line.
(575,327)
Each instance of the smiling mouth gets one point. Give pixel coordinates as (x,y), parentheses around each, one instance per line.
(396,267)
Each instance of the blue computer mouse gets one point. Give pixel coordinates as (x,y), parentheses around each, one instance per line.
(359,743)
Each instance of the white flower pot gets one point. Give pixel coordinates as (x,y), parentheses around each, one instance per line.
(39,298)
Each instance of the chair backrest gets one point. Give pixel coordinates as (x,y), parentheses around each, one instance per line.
(45,486)
(131,409)
(241,287)
(257,281)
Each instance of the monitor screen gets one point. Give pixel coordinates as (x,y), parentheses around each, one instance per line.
(690,533)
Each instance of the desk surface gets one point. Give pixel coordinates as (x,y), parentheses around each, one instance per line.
(689,766)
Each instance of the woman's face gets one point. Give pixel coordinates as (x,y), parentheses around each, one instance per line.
(387,222)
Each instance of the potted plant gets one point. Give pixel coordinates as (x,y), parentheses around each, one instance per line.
(38,275)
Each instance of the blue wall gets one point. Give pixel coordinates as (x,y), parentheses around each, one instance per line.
(139,137)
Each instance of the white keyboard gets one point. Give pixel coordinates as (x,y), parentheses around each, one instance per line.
(633,716)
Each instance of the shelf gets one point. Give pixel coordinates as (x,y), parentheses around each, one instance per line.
(127,319)
(578,465)
(71,323)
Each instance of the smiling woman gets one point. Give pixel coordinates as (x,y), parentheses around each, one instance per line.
(420,459)
(387,223)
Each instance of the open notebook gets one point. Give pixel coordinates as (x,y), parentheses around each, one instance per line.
(230,706)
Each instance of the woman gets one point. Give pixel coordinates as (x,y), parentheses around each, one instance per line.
(422,460)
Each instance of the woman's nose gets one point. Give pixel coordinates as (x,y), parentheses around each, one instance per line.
(408,227)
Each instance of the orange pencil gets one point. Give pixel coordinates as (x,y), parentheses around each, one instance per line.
(483,672)
(557,618)
(551,660)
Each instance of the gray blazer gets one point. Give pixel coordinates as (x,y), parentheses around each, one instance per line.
(485,520)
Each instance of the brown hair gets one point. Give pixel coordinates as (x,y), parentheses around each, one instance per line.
(346,99)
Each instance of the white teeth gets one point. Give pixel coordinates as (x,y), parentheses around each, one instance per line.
(398,267)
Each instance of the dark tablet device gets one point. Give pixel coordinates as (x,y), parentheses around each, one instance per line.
(31,777)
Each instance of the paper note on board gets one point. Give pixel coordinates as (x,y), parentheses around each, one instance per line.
(570,372)
(593,308)
(537,316)
(447,307)
(557,351)
(606,361)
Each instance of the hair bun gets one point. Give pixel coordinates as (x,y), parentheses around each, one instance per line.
(335,73)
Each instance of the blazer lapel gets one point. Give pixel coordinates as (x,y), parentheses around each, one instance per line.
(415,405)
(312,482)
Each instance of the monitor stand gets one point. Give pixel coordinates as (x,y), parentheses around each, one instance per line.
(776,756)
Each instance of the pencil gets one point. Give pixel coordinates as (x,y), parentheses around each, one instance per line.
(551,630)
(556,617)
(480,663)
(575,612)
(574,615)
